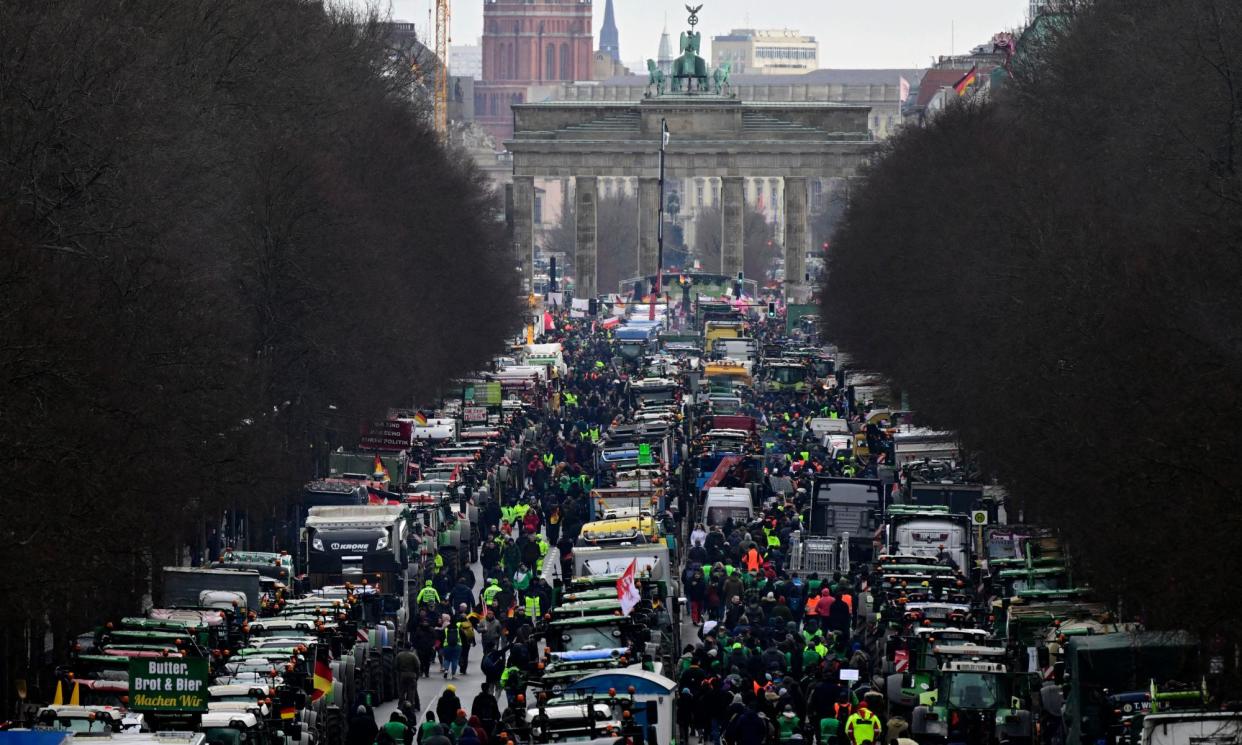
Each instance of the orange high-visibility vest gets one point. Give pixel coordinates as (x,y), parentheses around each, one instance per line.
(752,560)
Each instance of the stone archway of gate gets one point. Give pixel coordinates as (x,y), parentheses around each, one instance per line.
(709,137)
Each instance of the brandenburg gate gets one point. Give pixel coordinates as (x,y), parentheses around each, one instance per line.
(711,134)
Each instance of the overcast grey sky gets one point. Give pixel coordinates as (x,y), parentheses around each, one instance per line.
(851,33)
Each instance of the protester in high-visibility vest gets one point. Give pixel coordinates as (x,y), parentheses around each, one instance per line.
(513,683)
(491,591)
(862,726)
(428,594)
(532,606)
(751,559)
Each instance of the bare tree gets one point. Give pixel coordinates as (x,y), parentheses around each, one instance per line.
(1053,273)
(226,228)
(760,248)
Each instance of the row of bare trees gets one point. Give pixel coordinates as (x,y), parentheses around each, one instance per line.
(1054,274)
(225,225)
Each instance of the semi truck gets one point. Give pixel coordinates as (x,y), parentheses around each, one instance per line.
(847,509)
(928,532)
(194,587)
(352,544)
(1103,674)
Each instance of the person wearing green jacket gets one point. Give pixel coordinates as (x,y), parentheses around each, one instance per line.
(429,728)
(395,731)
(829,727)
(789,723)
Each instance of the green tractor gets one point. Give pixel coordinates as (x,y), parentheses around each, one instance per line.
(912,663)
(973,703)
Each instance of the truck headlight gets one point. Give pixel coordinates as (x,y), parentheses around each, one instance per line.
(317,544)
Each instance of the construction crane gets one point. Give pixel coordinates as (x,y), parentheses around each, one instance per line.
(444,15)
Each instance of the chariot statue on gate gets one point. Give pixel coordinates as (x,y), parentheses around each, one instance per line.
(689,72)
(689,67)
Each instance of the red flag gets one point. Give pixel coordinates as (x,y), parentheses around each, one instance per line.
(376,495)
(627,590)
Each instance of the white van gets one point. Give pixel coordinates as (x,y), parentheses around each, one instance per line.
(822,426)
(723,503)
(1186,727)
(441,428)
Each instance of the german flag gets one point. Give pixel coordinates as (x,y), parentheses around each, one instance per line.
(967,80)
(323,681)
(379,471)
(288,712)
(420,419)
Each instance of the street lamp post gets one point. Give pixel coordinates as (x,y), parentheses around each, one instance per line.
(660,225)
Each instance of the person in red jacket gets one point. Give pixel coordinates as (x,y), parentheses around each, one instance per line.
(824,606)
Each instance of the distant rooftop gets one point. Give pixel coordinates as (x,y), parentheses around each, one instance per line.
(814,77)
(764,34)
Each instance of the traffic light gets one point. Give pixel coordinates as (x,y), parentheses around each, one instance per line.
(771,308)
(593,307)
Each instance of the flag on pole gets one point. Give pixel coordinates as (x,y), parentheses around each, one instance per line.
(323,681)
(967,80)
(420,419)
(627,590)
(379,471)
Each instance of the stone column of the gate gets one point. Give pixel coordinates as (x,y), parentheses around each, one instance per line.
(732,202)
(796,237)
(524,226)
(586,197)
(648,219)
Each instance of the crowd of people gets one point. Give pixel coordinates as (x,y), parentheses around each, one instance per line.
(771,644)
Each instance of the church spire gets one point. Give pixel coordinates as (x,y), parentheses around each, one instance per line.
(609,40)
(664,57)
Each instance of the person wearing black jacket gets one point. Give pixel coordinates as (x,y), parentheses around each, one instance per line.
(362,728)
(447,706)
(486,708)
(424,643)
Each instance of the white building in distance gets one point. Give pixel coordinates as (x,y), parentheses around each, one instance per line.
(766,51)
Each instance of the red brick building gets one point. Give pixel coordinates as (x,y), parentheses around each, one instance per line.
(529,43)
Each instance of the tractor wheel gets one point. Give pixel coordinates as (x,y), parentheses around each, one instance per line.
(390,675)
(334,726)
(374,677)
(347,676)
